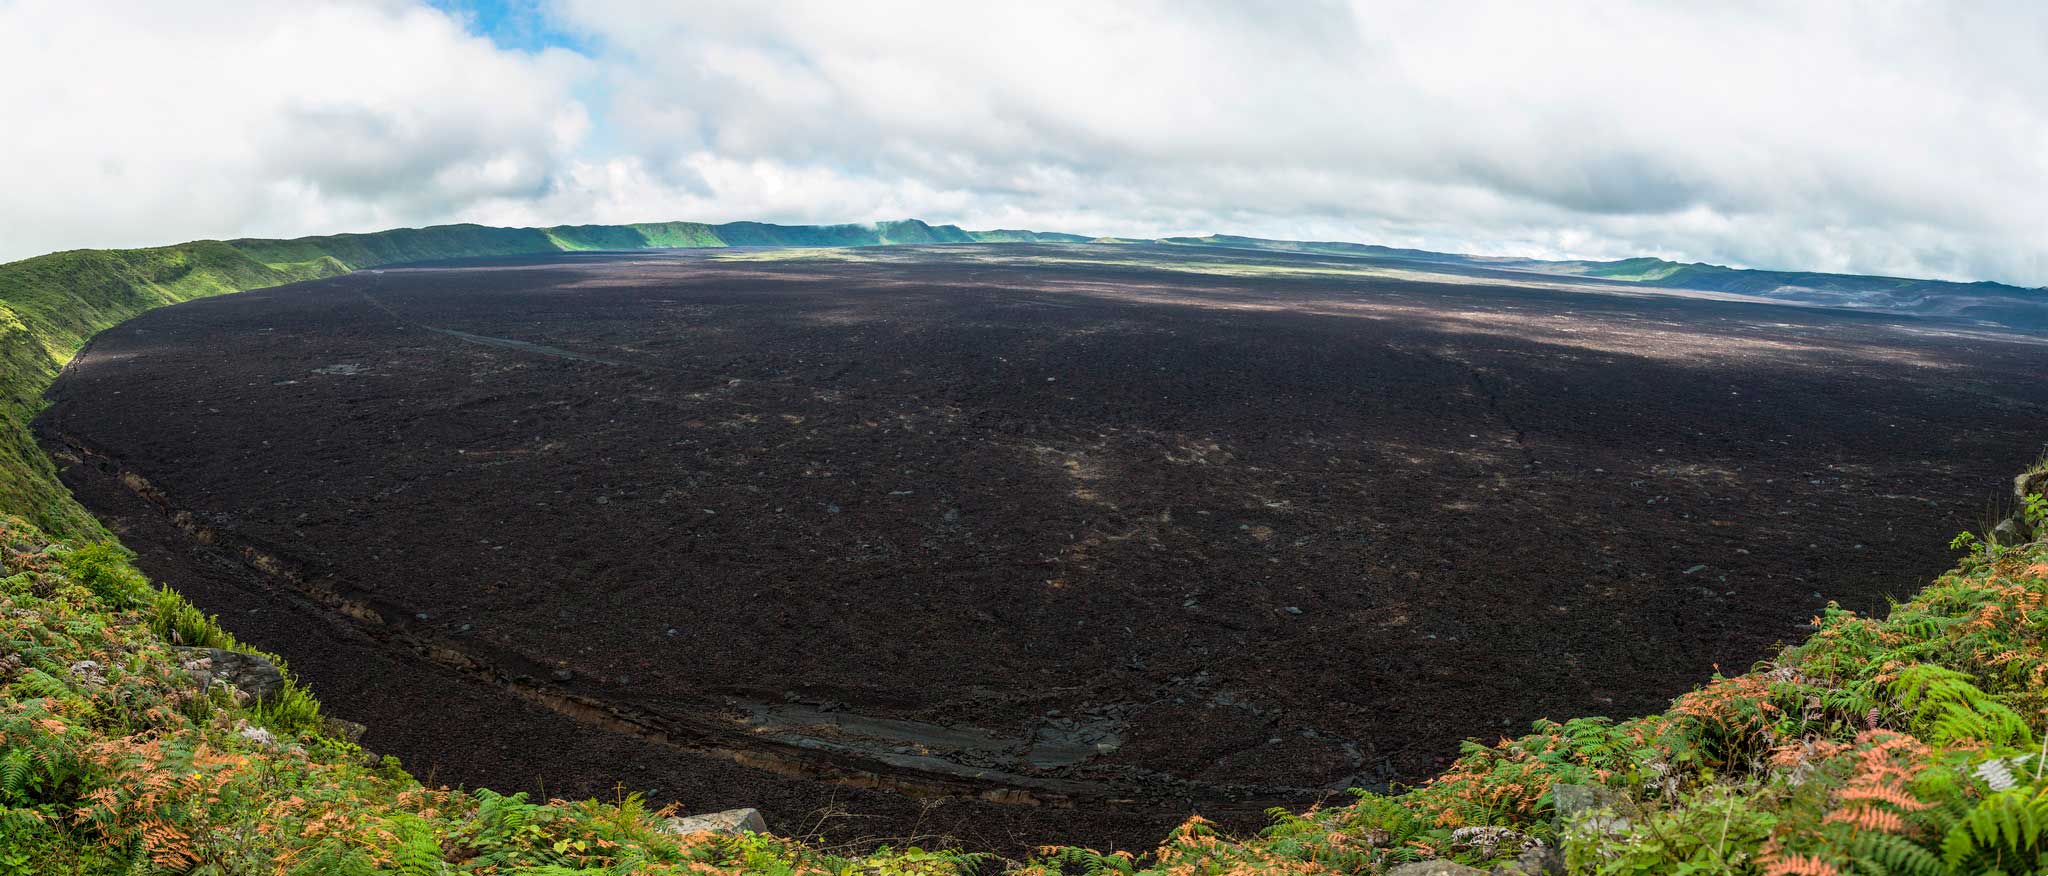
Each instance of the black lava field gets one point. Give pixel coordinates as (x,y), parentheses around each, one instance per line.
(1014,543)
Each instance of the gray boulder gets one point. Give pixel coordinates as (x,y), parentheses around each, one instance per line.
(1486,843)
(2017,529)
(1575,800)
(731,822)
(1595,807)
(2011,531)
(1535,861)
(1438,867)
(346,731)
(2029,484)
(256,677)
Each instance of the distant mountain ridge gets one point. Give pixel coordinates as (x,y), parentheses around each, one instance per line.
(2015,306)
(470,241)
(326,255)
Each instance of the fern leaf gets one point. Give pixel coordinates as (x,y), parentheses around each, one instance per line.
(1898,855)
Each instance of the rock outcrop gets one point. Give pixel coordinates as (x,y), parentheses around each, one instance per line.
(254,677)
(2019,528)
(1437,867)
(732,822)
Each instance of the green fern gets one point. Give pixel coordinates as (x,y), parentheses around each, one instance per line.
(177,621)
(103,567)
(1884,854)
(20,821)
(34,683)
(292,711)
(1946,706)
(1090,862)
(15,767)
(502,816)
(419,852)
(2006,832)
(1920,627)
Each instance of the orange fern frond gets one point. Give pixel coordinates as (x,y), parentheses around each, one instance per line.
(1869,819)
(1897,797)
(168,846)
(1800,865)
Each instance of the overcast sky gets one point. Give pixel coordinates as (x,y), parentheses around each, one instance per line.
(1869,137)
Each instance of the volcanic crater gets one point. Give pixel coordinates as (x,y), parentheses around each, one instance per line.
(1008,543)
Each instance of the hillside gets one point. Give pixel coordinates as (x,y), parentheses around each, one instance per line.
(1908,744)
(50,305)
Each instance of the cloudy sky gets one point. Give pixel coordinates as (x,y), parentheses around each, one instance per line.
(1901,138)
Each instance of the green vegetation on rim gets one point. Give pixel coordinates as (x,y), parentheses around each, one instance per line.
(1916,743)
(51,304)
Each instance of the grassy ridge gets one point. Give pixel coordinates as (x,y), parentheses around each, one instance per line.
(1011,235)
(356,251)
(50,305)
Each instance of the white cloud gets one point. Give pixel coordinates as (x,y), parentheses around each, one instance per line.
(146,123)
(1902,137)
(1886,137)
